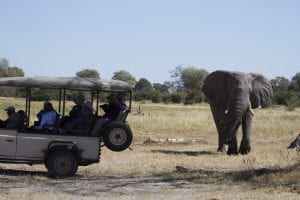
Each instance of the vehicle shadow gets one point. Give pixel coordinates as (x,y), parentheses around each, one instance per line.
(15,172)
(186,153)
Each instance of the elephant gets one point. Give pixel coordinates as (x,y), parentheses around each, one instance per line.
(232,96)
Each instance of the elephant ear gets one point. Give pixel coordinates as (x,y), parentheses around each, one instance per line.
(262,91)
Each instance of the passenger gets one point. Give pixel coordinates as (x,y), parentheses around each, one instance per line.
(22,119)
(89,107)
(121,99)
(47,117)
(80,114)
(111,110)
(13,119)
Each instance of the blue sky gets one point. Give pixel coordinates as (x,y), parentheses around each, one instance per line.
(150,38)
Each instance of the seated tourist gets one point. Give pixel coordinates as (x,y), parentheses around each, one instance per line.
(22,119)
(111,110)
(13,119)
(80,114)
(47,117)
(121,99)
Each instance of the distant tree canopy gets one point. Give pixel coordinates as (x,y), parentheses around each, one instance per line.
(163,88)
(123,75)
(184,87)
(286,92)
(280,83)
(143,84)
(189,81)
(88,73)
(9,71)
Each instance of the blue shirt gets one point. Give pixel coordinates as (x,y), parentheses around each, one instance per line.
(48,119)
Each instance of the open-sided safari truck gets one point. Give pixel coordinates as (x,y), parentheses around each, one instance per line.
(63,152)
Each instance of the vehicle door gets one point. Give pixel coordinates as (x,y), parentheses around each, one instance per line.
(8,142)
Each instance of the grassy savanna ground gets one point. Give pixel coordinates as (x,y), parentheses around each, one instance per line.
(174,171)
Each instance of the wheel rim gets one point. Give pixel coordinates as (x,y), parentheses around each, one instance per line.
(118,136)
(62,164)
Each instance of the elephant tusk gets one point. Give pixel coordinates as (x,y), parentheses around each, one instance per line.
(252,112)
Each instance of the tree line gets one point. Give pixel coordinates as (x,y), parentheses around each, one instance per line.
(184,86)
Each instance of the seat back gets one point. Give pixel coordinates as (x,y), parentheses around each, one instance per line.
(122,115)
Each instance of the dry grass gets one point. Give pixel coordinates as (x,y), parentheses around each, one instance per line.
(273,130)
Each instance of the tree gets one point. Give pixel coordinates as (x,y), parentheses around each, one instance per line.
(176,84)
(4,62)
(8,71)
(123,75)
(280,83)
(163,88)
(143,84)
(143,89)
(193,78)
(189,80)
(88,73)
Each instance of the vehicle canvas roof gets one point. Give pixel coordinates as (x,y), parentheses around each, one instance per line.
(76,83)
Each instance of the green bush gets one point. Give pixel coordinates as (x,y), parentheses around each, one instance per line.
(166,98)
(190,98)
(280,97)
(177,97)
(156,97)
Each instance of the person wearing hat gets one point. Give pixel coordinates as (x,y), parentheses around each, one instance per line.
(13,119)
(111,110)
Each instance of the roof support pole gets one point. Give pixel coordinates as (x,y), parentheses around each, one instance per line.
(97,103)
(27,109)
(59,101)
(64,102)
(130,100)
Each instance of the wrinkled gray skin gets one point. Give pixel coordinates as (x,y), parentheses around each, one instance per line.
(232,96)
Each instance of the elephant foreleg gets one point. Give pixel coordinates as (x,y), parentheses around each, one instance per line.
(219,118)
(246,127)
(233,148)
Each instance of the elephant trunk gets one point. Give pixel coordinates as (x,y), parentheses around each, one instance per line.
(235,114)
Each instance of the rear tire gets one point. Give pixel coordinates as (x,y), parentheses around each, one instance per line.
(62,164)
(117,136)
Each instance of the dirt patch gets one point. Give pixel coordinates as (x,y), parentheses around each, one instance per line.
(182,183)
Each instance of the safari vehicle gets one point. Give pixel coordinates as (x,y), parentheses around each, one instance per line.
(62,153)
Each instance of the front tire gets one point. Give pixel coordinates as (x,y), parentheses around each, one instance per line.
(62,164)
(117,136)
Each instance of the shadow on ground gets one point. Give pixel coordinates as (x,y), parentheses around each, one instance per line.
(186,153)
(277,178)
(285,178)
(14,172)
